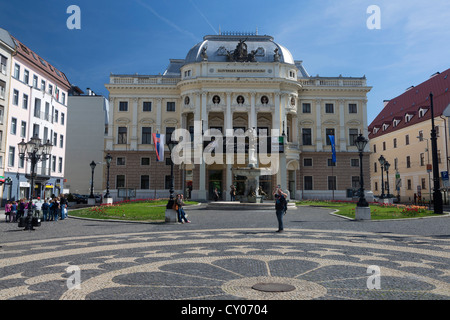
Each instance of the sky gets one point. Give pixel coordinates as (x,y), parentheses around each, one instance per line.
(331,37)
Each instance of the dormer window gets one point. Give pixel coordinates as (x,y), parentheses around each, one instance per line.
(385,126)
(375,130)
(395,122)
(422,112)
(408,117)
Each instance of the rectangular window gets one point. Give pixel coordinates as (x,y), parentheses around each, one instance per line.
(170,106)
(120,181)
(169,131)
(330,163)
(375,166)
(63,98)
(352,108)
(15,97)
(308,184)
(409,184)
(329,132)
(54,163)
(407,139)
(307,162)
(331,182)
(395,142)
(329,108)
(354,162)
(306,137)
(145,182)
(424,184)
(35,130)
(422,159)
(63,118)
(146,106)
(60,164)
(408,162)
(25,101)
(167,182)
(55,139)
(355,182)
(146,135)
(43,85)
(120,161)
(61,141)
(145,161)
(11,155)
(306,107)
(23,129)
(123,106)
(37,107)
(13,126)
(56,116)
(122,135)
(16,71)
(352,135)
(384,145)
(35,81)
(26,76)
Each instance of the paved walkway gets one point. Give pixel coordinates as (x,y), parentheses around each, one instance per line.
(222,254)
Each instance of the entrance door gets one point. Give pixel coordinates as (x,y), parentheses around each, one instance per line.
(291,186)
(215,181)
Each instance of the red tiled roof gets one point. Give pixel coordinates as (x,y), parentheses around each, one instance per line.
(42,64)
(411,101)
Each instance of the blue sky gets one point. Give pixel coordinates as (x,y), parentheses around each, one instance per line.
(331,37)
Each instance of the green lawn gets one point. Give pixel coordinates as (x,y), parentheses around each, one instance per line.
(378,212)
(149,210)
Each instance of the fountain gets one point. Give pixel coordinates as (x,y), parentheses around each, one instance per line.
(252,172)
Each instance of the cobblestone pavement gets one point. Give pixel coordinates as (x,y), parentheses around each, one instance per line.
(222,254)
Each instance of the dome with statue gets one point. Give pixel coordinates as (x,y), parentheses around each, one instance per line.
(238,47)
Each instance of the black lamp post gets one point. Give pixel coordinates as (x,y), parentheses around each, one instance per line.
(361,143)
(93,165)
(437,195)
(171,144)
(382,160)
(34,152)
(108,159)
(386,167)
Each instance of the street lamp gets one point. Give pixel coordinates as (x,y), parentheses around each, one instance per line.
(34,152)
(108,159)
(382,160)
(361,143)
(93,165)
(386,167)
(171,144)
(437,195)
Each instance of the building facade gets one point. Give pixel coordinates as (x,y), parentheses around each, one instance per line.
(402,134)
(6,49)
(86,131)
(37,106)
(232,83)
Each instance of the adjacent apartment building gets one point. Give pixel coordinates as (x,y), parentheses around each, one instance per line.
(232,83)
(401,133)
(37,105)
(89,114)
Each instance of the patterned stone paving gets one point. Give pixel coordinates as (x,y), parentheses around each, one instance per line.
(224,264)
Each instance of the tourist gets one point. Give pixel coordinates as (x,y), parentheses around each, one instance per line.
(233,193)
(38,207)
(280,207)
(13,215)
(45,209)
(181,214)
(63,204)
(20,209)
(54,208)
(216,194)
(8,211)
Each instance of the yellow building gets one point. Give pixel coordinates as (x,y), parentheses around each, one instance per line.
(233,83)
(401,134)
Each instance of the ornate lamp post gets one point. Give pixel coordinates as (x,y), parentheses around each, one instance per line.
(386,167)
(34,152)
(171,215)
(108,159)
(361,143)
(437,195)
(382,160)
(92,165)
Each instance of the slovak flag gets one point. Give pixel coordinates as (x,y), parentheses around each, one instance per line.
(158,140)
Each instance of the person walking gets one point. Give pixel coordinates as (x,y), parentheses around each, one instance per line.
(233,193)
(55,209)
(8,211)
(38,207)
(216,194)
(181,214)
(13,214)
(45,209)
(63,205)
(280,207)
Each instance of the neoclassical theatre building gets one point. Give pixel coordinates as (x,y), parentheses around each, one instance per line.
(233,82)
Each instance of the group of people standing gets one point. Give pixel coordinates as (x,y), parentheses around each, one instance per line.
(50,209)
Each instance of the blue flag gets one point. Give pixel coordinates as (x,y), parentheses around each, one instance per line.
(333,148)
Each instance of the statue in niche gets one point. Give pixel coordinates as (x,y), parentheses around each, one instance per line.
(203,54)
(276,56)
(216,100)
(240,100)
(264,100)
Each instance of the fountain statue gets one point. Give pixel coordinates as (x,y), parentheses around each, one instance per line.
(252,172)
